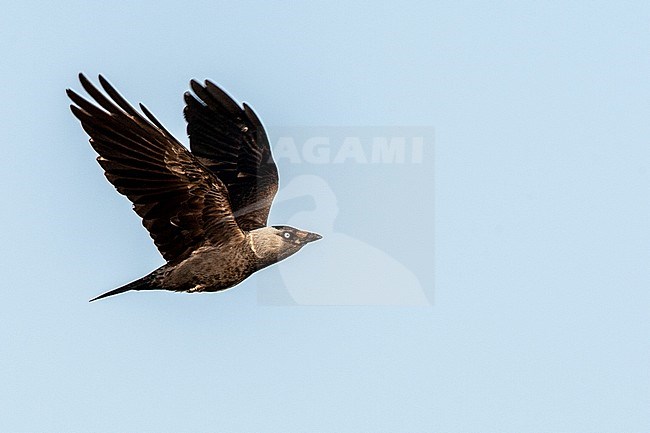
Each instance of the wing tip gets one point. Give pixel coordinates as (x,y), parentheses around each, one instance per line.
(104,82)
(83,79)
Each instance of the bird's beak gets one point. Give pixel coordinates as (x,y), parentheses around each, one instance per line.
(311,237)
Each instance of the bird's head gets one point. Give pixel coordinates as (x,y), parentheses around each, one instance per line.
(293,236)
(272,244)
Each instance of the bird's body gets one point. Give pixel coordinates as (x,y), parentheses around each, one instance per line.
(206,210)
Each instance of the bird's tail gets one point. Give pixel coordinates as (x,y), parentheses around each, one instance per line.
(143,283)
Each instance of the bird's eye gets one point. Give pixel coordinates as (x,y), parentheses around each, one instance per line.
(287,235)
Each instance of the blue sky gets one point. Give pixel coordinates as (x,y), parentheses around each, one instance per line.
(525,226)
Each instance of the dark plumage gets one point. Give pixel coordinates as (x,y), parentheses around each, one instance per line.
(206,210)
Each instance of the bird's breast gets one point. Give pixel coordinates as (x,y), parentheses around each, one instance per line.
(210,269)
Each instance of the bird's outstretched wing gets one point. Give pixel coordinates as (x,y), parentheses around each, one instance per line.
(231,141)
(182,204)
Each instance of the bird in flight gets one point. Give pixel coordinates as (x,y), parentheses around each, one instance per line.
(205,208)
